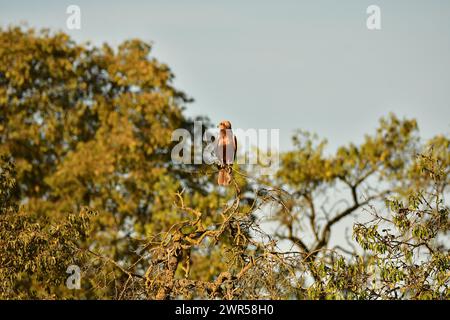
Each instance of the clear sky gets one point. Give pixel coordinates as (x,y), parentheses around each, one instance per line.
(283,64)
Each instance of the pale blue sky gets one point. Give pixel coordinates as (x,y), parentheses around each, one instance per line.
(283,64)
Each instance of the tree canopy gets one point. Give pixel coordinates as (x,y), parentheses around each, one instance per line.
(86,179)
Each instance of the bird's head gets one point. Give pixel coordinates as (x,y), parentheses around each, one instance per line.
(224,125)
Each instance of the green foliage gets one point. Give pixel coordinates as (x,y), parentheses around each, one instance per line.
(36,251)
(86,178)
(410,255)
(7,186)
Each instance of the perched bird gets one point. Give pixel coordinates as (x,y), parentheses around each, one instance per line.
(226,148)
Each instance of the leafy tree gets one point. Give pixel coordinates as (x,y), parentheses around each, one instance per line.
(91,127)
(369,172)
(87,179)
(35,252)
(406,252)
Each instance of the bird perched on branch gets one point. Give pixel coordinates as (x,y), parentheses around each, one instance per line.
(226,148)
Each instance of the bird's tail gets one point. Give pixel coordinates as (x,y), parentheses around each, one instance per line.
(224,178)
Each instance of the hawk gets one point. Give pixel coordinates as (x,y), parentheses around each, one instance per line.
(226,148)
